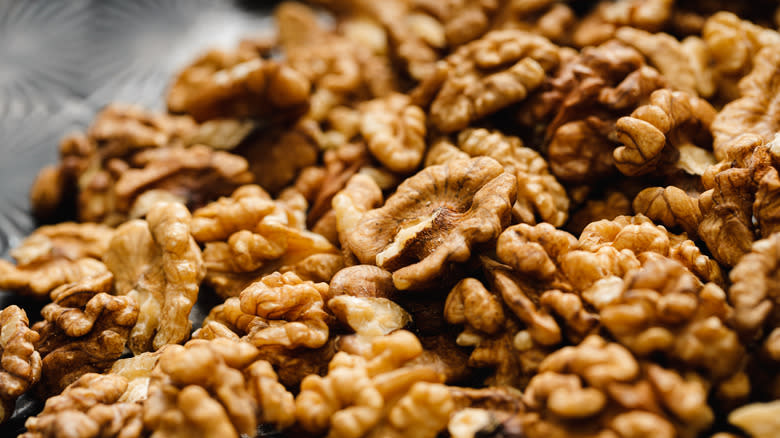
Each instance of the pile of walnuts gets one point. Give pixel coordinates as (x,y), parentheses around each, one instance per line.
(421,218)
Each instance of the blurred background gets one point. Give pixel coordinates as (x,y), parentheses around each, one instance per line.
(63,60)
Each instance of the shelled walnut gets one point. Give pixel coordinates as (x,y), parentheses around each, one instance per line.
(20,363)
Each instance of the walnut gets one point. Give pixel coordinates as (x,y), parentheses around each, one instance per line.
(137,370)
(583,101)
(612,205)
(157,263)
(394,130)
(20,367)
(249,235)
(363,393)
(360,195)
(83,330)
(89,407)
(757,419)
(425,227)
(664,308)
(222,134)
(214,387)
(363,281)
(54,255)
(237,84)
(276,154)
(733,45)
(755,111)
(602,23)
(369,316)
(599,389)
(488,74)
(549,18)
(669,206)
(754,295)
(661,134)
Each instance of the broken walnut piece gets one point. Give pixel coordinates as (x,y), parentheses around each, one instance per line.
(759,420)
(360,195)
(662,135)
(603,21)
(84,330)
(237,84)
(54,255)
(486,75)
(214,387)
(394,130)
(670,206)
(427,224)
(20,367)
(89,407)
(157,263)
(243,210)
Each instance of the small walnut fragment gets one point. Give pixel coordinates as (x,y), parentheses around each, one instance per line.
(434,219)
(394,130)
(375,395)
(760,420)
(20,364)
(214,388)
(237,84)
(599,389)
(755,294)
(540,197)
(664,134)
(486,75)
(92,406)
(157,263)
(54,255)
(84,330)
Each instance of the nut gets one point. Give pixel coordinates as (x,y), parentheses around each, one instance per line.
(20,367)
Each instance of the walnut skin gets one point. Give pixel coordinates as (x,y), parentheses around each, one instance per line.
(428,224)
(91,406)
(20,367)
(55,255)
(83,330)
(157,263)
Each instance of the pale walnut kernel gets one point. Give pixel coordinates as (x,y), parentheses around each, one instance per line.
(760,420)
(360,195)
(427,224)
(656,135)
(394,130)
(89,407)
(157,263)
(83,330)
(20,367)
(54,255)
(487,75)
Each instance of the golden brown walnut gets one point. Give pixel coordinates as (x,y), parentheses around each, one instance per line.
(756,109)
(363,281)
(157,263)
(249,235)
(222,134)
(486,75)
(600,389)
(539,195)
(290,309)
(237,84)
(671,131)
(214,388)
(54,255)
(733,44)
(92,406)
(137,370)
(536,252)
(83,330)
(360,195)
(754,294)
(759,420)
(663,308)
(20,367)
(549,18)
(583,101)
(434,219)
(602,23)
(612,205)
(394,130)
(669,206)
(276,154)
(361,396)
